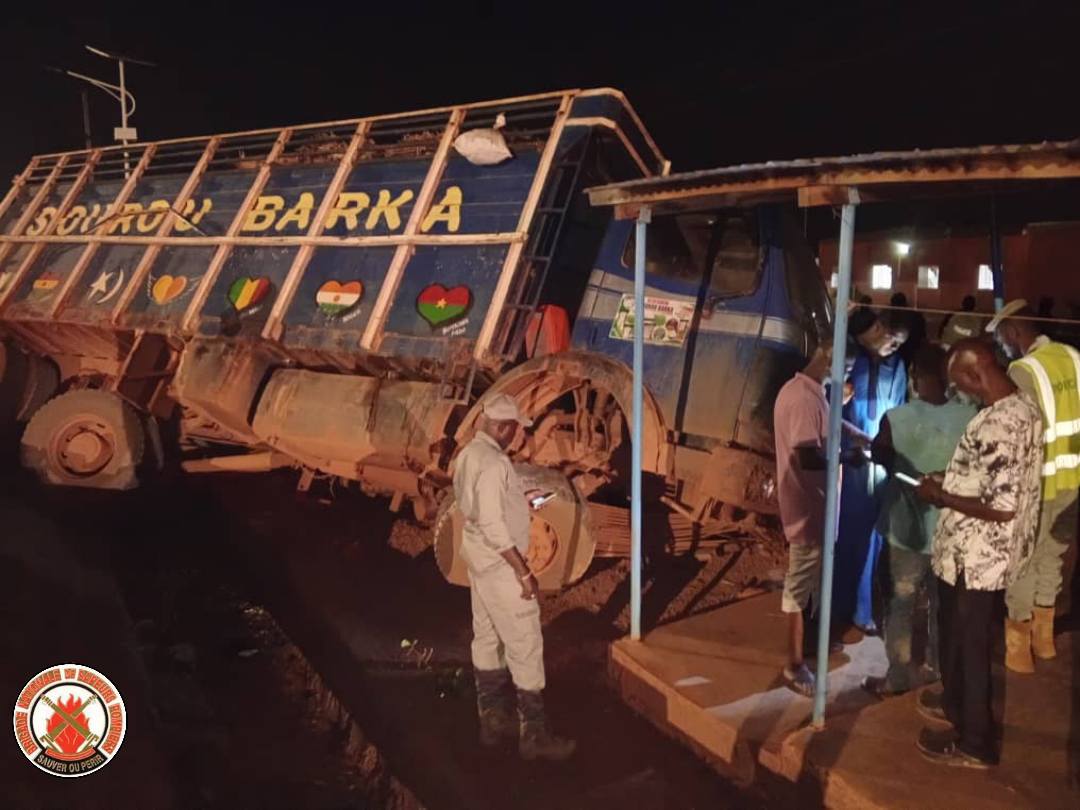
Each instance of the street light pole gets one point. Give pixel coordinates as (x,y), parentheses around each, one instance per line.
(86,119)
(123,114)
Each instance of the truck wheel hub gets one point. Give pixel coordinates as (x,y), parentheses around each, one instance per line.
(85,447)
(543,545)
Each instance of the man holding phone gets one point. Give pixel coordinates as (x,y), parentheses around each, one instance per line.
(985,535)
(508,645)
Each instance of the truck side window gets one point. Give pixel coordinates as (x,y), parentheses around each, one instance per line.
(737,263)
(675,247)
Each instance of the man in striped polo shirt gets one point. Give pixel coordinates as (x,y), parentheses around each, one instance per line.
(1049,373)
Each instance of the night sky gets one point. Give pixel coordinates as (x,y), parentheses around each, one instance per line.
(748,81)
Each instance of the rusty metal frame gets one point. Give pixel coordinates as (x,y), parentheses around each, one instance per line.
(262,177)
(608,124)
(275,322)
(77,186)
(21,180)
(165,228)
(278,241)
(353,121)
(125,191)
(388,291)
(513,255)
(167,224)
(611,91)
(25,219)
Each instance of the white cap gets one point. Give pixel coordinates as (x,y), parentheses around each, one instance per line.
(1006,311)
(502,408)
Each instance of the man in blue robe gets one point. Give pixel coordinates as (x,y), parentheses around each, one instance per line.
(879,380)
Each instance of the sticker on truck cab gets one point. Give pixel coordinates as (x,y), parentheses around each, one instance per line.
(667,320)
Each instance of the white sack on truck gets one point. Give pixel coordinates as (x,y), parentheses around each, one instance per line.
(484,147)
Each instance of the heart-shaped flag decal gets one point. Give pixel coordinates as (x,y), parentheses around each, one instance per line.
(440,306)
(247,292)
(167,288)
(334,298)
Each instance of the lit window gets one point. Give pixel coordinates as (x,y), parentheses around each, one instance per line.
(986,277)
(881,277)
(929,275)
(834,282)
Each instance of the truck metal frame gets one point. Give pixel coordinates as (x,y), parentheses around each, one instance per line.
(212,284)
(342,297)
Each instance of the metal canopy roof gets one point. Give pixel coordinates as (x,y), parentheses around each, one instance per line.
(871,177)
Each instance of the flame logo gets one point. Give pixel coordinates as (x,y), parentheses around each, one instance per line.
(69,739)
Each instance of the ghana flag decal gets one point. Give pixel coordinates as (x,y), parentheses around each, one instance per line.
(247,292)
(440,306)
(335,298)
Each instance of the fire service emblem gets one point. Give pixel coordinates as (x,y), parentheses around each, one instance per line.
(69,720)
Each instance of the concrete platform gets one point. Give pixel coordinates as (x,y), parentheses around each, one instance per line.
(714,682)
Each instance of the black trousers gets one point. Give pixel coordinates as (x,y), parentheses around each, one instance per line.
(965,625)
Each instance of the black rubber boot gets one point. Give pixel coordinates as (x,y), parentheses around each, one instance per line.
(536,741)
(495,706)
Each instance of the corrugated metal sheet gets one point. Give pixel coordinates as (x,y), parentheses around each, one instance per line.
(807,170)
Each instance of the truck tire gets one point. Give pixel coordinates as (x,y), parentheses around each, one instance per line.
(27,381)
(561,541)
(85,438)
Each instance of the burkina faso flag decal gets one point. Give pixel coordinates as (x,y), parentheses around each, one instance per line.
(440,306)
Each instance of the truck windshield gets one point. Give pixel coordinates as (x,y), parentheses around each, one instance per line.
(678,248)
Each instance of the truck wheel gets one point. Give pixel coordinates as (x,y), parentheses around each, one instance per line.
(561,542)
(85,438)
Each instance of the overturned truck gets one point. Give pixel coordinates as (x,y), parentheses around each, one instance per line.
(340,298)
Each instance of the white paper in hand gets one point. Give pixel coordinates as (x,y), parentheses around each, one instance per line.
(484,147)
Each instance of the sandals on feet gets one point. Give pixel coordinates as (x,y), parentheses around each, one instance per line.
(879,688)
(799,680)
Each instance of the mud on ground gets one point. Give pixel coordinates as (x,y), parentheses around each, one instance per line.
(229,711)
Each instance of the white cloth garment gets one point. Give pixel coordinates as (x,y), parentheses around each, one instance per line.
(492,501)
(506,628)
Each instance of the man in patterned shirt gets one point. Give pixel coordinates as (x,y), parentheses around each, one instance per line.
(984,538)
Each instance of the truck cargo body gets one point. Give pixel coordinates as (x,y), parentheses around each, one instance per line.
(341,298)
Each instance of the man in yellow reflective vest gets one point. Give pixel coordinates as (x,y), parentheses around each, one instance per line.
(1049,373)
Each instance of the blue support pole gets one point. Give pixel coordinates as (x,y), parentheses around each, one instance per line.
(636,431)
(995,258)
(832,495)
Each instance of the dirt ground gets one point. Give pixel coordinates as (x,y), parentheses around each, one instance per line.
(218,585)
(223,709)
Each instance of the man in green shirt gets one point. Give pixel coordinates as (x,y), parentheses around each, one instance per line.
(915,439)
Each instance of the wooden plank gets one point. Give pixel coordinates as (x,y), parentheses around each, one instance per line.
(167,224)
(983,169)
(525,221)
(373,331)
(810,196)
(24,220)
(223,252)
(274,324)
